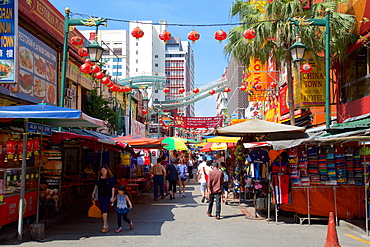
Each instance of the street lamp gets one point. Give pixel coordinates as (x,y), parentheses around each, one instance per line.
(297,50)
(95,51)
(71,22)
(322,22)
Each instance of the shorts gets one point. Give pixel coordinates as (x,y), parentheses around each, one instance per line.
(203,186)
(225,187)
(183,179)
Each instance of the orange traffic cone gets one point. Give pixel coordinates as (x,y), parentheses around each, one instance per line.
(332,237)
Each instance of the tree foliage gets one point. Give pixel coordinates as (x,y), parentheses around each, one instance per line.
(99,107)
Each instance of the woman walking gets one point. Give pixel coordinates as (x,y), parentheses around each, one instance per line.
(183,169)
(104,186)
(173,175)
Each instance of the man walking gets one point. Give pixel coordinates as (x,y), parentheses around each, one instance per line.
(215,180)
(159,173)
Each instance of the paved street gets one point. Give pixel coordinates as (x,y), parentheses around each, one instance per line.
(183,222)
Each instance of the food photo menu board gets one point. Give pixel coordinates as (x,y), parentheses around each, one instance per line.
(37,71)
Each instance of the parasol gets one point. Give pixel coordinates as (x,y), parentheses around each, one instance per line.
(174,143)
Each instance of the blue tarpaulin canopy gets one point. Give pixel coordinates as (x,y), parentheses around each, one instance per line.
(50,115)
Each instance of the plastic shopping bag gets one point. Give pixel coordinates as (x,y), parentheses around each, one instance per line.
(94,211)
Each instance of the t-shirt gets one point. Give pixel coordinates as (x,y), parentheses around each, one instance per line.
(216,179)
(183,169)
(173,172)
(203,170)
(105,186)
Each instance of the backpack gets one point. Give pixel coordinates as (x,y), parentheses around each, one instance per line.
(226,176)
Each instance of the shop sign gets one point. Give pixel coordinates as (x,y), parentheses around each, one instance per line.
(309,88)
(286,117)
(8,41)
(236,121)
(37,71)
(41,129)
(283,100)
(137,128)
(198,122)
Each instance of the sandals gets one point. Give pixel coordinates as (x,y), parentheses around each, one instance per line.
(104,229)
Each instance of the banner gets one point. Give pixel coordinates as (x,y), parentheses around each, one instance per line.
(198,122)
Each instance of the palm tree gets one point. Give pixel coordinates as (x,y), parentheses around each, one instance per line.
(276,34)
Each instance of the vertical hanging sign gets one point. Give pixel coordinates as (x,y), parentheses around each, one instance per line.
(8,40)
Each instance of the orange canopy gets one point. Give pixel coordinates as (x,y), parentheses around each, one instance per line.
(139,142)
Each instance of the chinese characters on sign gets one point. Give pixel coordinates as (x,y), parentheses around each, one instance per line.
(198,122)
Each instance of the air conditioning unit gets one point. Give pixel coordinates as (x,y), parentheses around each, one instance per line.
(69,93)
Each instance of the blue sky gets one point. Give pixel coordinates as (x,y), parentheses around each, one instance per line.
(210,60)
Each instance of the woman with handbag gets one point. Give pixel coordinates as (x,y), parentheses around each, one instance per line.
(105,188)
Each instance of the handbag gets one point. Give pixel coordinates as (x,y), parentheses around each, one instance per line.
(94,211)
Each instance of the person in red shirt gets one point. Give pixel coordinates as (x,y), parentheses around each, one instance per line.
(215,180)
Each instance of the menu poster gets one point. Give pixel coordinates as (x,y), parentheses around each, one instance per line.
(50,182)
(37,71)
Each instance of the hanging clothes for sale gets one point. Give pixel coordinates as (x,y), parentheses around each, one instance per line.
(280,182)
(258,159)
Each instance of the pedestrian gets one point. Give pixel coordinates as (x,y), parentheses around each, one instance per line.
(215,180)
(173,176)
(124,206)
(203,171)
(183,169)
(165,165)
(159,173)
(190,164)
(195,167)
(104,186)
(225,185)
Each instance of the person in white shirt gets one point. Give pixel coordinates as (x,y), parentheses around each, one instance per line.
(203,170)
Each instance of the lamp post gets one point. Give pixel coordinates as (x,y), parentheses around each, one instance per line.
(93,48)
(321,22)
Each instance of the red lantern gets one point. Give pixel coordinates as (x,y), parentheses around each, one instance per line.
(20,146)
(10,148)
(29,146)
(137,33)
(36,145)
(110,84)
(85,68)
(182,90)
(196,90)
(220,35)
(305,68)
(258,86)
(77,40)
(193,36)
(83,52)
(88,61)
(99,75)
(165,36)
(114,88)
(274,84)
(249,34)
(227,89)
(144,111)
(211,92)
(95,69)
(105,80)
(242,88)
(166,90)
(127,88)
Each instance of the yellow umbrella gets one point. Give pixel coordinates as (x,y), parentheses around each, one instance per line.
(174,143)
(223,139)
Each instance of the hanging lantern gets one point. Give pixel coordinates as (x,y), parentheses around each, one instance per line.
(20,149)
(182,90)
(113,88)
(196,90)
(36,146)
(127,88)
(105,80)
(258,86)
(227,89)
(83,52)
(99,75)
(220,35)
(242,88)
(110,84)
(193,36)
(274,84)
(10,148)
(165,36)
(95,69)
(144,111)
(88,61)
(120,89)
(29,147)
(77,40)
(249,34)
(85,68)
(137,33)
(212,91)
(305,68)
(166,90)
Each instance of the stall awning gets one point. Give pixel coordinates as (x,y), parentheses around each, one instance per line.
(361,123)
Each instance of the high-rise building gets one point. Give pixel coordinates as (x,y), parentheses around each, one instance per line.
(179,72)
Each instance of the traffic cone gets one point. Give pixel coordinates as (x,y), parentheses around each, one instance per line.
(332,237)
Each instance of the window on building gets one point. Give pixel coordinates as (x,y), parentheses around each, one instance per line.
(137,52)
(117,66)
(117,73)
(156,91)
(137,60)
(115,60)
(155,56)
(117,43)
(137,43)
(137,70)
(106,52)
(117,51)
(156,65)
